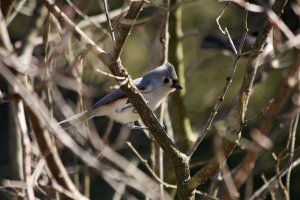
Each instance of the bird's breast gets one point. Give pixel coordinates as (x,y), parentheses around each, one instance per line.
(123,111)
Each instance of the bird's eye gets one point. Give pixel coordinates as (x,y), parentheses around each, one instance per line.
(166,80)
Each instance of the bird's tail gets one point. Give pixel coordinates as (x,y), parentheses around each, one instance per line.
(78,118)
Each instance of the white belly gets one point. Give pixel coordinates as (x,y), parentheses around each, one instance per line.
(124,116)
(121,111)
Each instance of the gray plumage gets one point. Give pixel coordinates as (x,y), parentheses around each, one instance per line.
(154,86)
(166,70)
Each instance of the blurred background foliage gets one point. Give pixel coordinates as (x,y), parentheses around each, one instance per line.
(205,72)
(206,69)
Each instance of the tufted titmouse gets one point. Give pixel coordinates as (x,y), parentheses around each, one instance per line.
(154,86)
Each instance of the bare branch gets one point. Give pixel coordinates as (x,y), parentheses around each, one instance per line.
(292,146)
(19,6)
(167,185)
(273,18)
(236,117)
(228,79)
(26,151)
(125,29)
(283,93)
(118,70)
(112,34)
(37,108)
(79,12)
(145,162)
(110,75)
(4,34)
(271,182)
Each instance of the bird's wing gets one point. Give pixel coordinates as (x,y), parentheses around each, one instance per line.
(108,98)
(143,85)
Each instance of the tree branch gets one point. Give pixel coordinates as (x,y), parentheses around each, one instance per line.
(235,119)
(131,16)
(179,160)
(266,124)
(229,78)
(43,117)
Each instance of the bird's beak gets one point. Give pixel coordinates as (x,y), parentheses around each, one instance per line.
(176,85)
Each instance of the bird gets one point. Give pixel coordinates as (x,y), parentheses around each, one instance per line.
(154,86)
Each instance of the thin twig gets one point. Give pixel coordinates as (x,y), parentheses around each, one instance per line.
(271,190)
(281,186)
(4,34)
(145,162)
(270,182)
(81,14)
(165,32)
(110,75)
(276,20)
(102,17)
(228,80)
(292,147)
(12,16)
(225,172)
(165,49)
(220,16)
(167,185)
(44,140)
(231,42)
(82,107)
(112,34)
(62,190)
(235,119)
(46,32)
(26,149)
(266,124)
(39,109)
(266,8)
(125,29)
(179,160)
